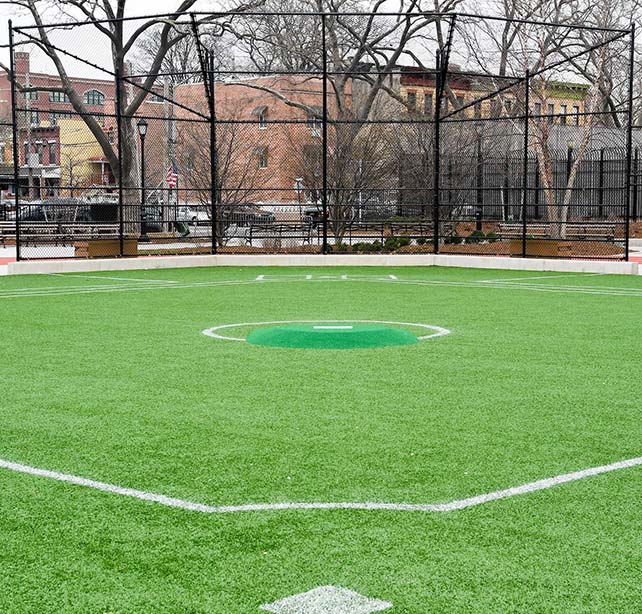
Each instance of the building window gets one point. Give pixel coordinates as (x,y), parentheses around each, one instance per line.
(411,101)
(54,116)
(52,152)
(34,117)
(30,95)
(550,111)
(40,149)
(563,113)
(263,122)
(478,110)
(263,157)
(58,97)
(316,125)
(27,152)
(538,108)
(94,97)
(155,97)
(261,113)
(576,114)
(509,106)
(428,104)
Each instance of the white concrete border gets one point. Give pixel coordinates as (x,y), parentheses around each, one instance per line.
(318,260)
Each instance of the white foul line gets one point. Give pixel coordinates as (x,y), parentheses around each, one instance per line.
(450,506)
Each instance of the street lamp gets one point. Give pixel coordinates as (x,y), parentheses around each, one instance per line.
(142,131)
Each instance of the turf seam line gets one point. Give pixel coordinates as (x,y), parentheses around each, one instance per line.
(450,506)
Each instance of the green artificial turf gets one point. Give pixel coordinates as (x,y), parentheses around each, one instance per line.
(109,377)
(329,337)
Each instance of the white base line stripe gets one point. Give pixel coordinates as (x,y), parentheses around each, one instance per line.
(451,506)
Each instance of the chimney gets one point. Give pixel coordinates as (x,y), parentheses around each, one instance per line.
(21,60)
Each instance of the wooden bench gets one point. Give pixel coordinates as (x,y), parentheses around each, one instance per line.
(61,233)
(584,231)
(103,248)
(280,231)
(7,233)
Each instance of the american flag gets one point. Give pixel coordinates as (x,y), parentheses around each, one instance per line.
(172,176)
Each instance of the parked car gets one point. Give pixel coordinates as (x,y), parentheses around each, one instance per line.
(194,215)
(245,214)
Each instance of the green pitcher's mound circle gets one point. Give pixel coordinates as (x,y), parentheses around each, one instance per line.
(331,337)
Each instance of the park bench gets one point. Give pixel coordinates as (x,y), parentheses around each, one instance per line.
(60,233)
(7,233)
(585,231)
(279,231)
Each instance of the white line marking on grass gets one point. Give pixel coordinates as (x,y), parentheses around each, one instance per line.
(212,332)
(511,279)
(136,279)
(64,290)
(393,277)
(260,277)
(450,506)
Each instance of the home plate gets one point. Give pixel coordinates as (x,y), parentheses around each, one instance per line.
(327,600)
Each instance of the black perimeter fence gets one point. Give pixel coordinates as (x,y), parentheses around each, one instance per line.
(323,133)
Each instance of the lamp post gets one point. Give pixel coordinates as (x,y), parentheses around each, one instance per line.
(142,131)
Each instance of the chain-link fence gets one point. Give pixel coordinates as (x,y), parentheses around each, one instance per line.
(322,132)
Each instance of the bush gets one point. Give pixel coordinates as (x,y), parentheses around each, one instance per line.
(475,237)
(491,237)
(403,242)
(340,248)
(422,241)
(453,240)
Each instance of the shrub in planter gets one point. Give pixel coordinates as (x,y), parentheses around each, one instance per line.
(475,237)
(391,244)
(491,237)
(421,241)
(403,242)
(453,240)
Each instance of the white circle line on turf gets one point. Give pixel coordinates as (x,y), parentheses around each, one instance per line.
(450,506)
(438,331)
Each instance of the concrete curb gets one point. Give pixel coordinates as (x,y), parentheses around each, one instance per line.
(316,260)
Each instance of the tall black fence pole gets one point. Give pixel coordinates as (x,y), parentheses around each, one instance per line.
(527,109)
(119,130)
(14,134)
(324,162)
(600,186)
(629,144)
(207,73)
(635,181)
(214,196)
(436,156)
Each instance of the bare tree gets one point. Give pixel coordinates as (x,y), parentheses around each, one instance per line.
(106,18)
(363,52)
(236,163)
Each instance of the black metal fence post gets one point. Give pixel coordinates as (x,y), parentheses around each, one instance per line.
(629,144)
(214,195)
(436,155)
(635,181)
(600,185)
(324,163)
(119,130)
(527,109)
(14,134)
(479,210)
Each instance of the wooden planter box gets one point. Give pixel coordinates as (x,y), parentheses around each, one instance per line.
(105,248)
(542,248)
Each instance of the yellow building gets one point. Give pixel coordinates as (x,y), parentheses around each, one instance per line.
(82,161)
